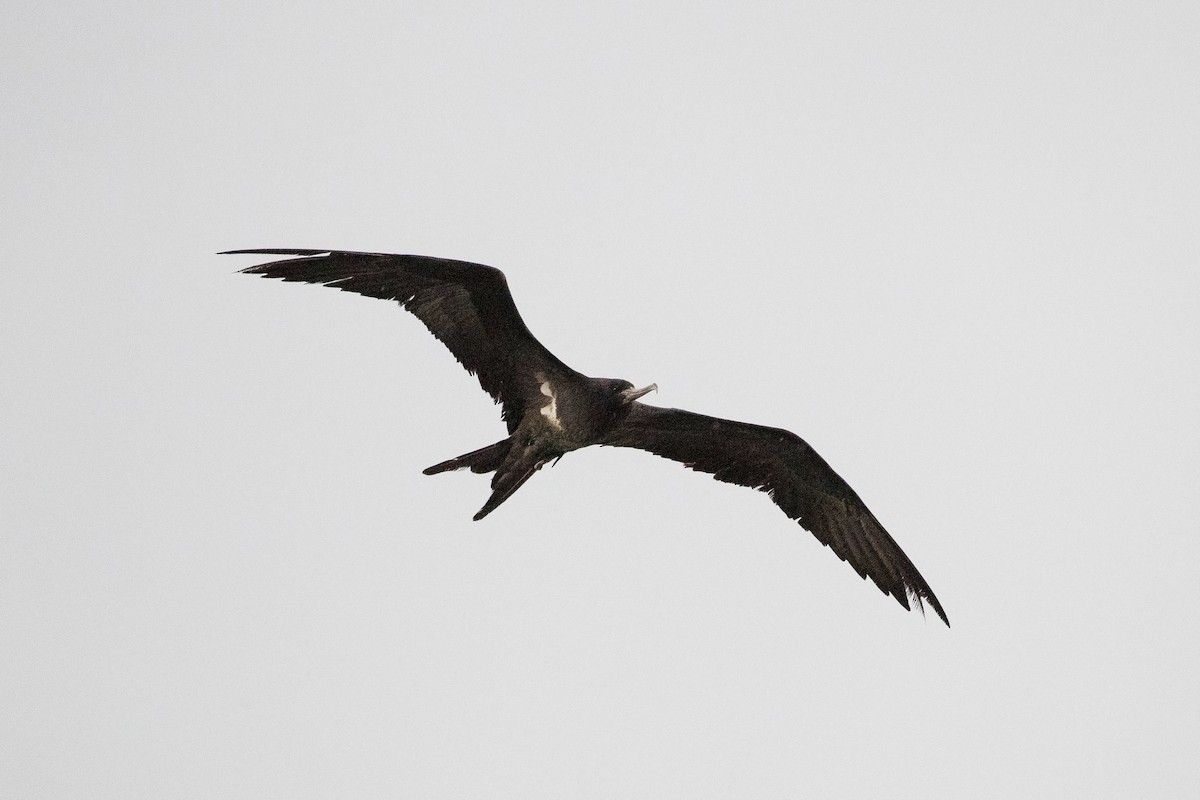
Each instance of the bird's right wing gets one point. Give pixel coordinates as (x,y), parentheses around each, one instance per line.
(799,481)
(467,306)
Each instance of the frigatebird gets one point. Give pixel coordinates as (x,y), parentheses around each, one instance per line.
(550,409)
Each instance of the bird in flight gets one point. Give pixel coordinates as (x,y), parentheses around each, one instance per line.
(550,409)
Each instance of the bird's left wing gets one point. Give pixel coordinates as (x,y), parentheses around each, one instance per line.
(467,306)
(799,481)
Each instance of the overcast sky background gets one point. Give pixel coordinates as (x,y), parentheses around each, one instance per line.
(952,246)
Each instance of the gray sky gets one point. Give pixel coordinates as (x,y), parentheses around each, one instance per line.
(953,247)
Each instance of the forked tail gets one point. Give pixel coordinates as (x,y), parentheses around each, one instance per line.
(513,466)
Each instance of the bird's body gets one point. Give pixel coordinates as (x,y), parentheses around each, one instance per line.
(570,413)
(550,409)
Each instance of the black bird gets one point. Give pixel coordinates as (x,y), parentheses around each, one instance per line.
(550,409)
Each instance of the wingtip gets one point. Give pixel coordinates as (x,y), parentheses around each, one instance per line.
(275,251)
(933,603)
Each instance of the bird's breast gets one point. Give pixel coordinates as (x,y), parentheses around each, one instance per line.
(549,408)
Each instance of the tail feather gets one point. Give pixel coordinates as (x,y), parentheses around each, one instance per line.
(485,459)
(512,465)
(507,483)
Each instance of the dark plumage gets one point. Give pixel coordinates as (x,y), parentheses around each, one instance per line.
(550,409)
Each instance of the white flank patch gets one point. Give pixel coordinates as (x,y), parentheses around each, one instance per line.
(550,410)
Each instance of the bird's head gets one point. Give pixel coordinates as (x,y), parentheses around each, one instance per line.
(624,393)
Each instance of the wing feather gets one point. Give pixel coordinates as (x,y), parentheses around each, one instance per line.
(800,482)
(468,307)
